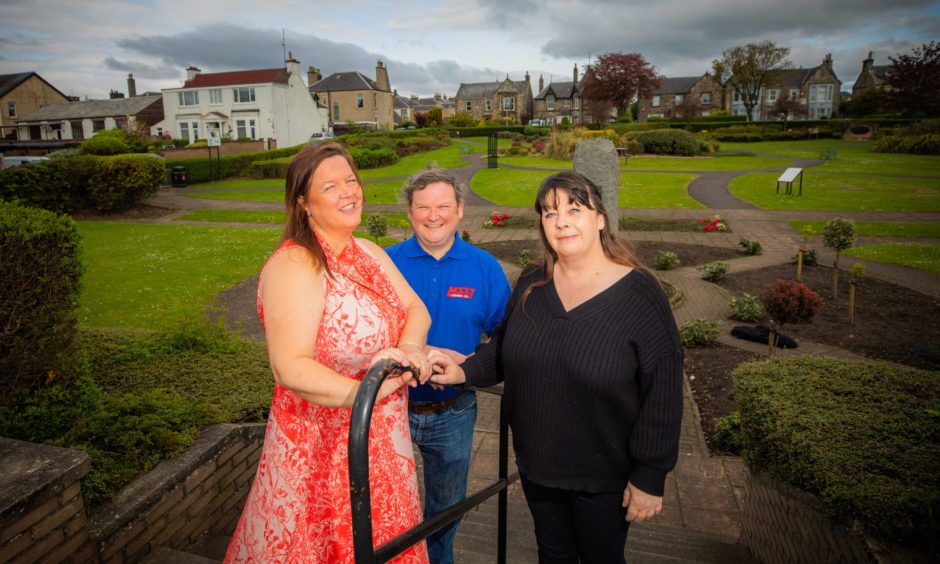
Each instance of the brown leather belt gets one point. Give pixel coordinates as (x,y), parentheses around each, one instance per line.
(422,407)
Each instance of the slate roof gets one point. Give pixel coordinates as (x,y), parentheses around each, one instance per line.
(881,71)
(677,84)
(559,89)
(344,82)
(234,78)
(473,90)
(401,102)
(10,81)
(92,109)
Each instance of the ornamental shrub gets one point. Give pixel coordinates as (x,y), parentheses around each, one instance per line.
(747,308)
(810,258)
(789,301)
(861,435)
(373,158)
(122,181)
(727,433)
(58,184)
(377,224)
(715,271)
(698,333)
(104,145)
(750,248)
(39,274)
(838,234)
(670,142)
(665,260)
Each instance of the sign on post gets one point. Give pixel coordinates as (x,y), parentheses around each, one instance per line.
(215,140)
(788,177)
(215,137)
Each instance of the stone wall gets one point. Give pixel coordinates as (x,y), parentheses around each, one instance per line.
(200,492)
(226,148)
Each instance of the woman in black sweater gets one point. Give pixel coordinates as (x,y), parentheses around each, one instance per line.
(592,364)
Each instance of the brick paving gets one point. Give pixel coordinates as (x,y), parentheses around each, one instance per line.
(702,505)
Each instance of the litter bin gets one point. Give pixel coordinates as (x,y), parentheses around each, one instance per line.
(179,176)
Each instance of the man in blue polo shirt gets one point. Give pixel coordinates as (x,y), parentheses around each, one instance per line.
(465,290)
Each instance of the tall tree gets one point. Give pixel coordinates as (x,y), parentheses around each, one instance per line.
(618,78)
(915,80)
(786,107)
(749,69)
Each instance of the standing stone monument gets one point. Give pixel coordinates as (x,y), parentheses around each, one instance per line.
(597,160)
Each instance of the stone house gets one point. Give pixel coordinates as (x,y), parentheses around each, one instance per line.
(441,101)
(243,104)
(817,88)
(82,120)
(872,76)
(560,100)
(492,100)
(402,109)
(22,94)
(354,97)
(677,96)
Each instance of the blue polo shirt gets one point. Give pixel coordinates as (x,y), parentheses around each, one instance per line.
(465,292)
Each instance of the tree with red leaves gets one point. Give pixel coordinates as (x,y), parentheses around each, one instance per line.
(915,80)
(618,78)
(786,107)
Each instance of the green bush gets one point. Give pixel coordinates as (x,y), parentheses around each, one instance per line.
(750,248)
(122,181)
(104,145)
(810,258)
(665,260)
(39,273)
(863,436)
(670,142)
(919,144)
(274,168)
(715,271)
(747,308)
(727,433)
(197,169)
(377,224)
(58,185)
(373,158)
(698,333)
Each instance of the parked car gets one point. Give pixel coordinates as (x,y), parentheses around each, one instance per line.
(19,160)
(320,135)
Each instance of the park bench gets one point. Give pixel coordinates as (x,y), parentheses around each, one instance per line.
(623,153)
(828,155)
(464,149)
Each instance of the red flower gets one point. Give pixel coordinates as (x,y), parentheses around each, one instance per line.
(709,228)
(501,223)
(505,215)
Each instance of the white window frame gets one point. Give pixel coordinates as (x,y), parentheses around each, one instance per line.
(550,103)
(243,94)
(656,100)
(184,130)
(97,125)
(246,128)
(195,129)
(509,104)
(705,98)
(772,95)
(487,105)
(794,94)
(11,109)
(335,110)
(678,98)
(469,105)
(360,100)
(577,102)
(215,96)
(188,97)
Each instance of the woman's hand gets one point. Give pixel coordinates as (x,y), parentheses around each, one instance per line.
(640,505)
(447,371)
(417,359)
(394,381)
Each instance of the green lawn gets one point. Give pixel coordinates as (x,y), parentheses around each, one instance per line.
(879,228)
(505,187)
(240,184)
(384,192)
(852,156)
(923,256)
(656,190)
(696,164)
(448,157)
(840,192)
(152,276)
(536,162)
(235,216)
(247,196)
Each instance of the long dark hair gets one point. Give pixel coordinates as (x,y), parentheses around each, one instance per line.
(579,189)
(299,173)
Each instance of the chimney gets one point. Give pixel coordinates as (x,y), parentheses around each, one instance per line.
(131,86)
(292,65)
(437,96)
(381,77)
(575,74)
(827,61)
(414,97)
(192,72)
(313,76)
(527,81)
(867,63)
(541,83)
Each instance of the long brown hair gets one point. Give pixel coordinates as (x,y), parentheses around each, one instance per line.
(580,190)
(299,173)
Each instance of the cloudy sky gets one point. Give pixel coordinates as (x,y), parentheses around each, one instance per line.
(87,47)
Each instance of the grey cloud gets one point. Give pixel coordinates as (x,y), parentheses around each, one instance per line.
(143,70)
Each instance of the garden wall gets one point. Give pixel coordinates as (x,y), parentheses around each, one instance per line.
(200,492)
(226,148)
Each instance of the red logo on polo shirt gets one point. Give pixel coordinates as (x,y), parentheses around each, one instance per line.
(460,292)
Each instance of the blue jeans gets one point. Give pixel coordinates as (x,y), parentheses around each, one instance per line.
(445,439)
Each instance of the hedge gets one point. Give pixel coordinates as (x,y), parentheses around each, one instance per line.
(920,144)
(669,142)
(484,131)
(39,274)
(121,181)
(197,170)
(865,437)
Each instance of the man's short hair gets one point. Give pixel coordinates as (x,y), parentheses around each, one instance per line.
(421,181)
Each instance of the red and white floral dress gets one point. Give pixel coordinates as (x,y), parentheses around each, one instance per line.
(298,509)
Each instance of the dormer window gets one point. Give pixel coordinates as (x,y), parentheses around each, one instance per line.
(550,103)
(655,102)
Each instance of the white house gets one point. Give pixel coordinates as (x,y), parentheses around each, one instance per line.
(247,104)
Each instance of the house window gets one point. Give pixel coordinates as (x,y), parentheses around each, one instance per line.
(487,106)
(655,101)
(737,96)
(184,131)
(215,96)
(550,103)
(189,98)
(118,123)
(375,100)
(246,128)
(772,95)
(244,94)
(794,94)
(195,127)
(509,104)
(335,111)
(705,98)
(678,100)
(11,109)
(97,125)
(359,102)
(469,105)
(577,102)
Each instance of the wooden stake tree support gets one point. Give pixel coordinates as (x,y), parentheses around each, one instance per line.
(839,235)
(807,233)
(858,269)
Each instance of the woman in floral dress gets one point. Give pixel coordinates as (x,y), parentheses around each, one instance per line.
(332,306)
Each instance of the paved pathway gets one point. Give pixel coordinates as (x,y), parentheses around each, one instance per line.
(701,517)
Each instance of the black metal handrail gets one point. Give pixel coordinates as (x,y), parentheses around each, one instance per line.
(360,495)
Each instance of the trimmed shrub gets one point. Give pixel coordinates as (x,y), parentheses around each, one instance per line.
(863,436)
(715,271)
(377,224)
(747,308)
(698,333)
(122,181)
(373,158)
(810,258)
(275,168)
(665,260)
(104,145)
(197,170)
(727,433)
(922,144)
(39,274)
(670,142)
(750,248)
(789,301)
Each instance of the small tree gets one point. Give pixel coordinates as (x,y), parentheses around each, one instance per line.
(461,119)
(788,301)
(749,69)
(858,270)
(619,78)
(839,235)
(915,80)
(786,107)
(689,108)
(435,117)
(421,118)
(377,224)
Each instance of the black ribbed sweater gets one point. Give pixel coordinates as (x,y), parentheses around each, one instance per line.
(594,395)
